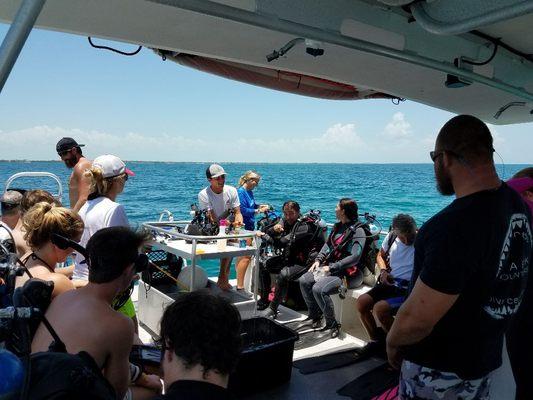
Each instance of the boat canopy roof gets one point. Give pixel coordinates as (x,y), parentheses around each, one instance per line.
(473,57)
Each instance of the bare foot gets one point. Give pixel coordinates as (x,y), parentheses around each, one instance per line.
(224,285)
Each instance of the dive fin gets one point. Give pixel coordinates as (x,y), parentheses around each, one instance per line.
(312,338)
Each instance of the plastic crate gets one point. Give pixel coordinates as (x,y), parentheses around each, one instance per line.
(266,359)
(167,262)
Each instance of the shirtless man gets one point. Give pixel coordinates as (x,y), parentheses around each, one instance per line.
(85,321)
(78,186)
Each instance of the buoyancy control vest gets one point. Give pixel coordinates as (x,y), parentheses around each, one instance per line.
(341,247)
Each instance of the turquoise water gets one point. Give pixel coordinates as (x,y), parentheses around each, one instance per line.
(381,189)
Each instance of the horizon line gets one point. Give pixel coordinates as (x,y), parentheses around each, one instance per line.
(257,162)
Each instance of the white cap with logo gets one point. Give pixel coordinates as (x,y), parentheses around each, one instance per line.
(214,171)
(111,166)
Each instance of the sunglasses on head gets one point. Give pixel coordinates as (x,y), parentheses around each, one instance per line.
(140,263)
(65,243)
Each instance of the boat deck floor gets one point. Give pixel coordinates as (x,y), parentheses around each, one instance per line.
(324,385)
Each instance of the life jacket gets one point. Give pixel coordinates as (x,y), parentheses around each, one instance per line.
(341,248)
(390,241)
(306,251)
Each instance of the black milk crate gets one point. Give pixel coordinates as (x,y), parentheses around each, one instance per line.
(266,359)
(168,262)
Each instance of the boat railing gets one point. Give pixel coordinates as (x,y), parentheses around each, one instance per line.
(36,174)
(172,231)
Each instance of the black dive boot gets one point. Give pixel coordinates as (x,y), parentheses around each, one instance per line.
(333,328)
(262,304)
(268,313)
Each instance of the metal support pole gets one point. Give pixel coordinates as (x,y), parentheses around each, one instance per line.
(257,241)
(15,38)
(193,264)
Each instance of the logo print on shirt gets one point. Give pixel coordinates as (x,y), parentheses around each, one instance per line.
(513,268)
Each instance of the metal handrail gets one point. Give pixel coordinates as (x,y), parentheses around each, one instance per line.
(156,227)
(32,175)
(168,214)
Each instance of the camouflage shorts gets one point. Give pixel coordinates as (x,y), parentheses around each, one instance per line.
(417,382)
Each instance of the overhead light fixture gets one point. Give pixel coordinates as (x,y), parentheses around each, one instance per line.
(454,82)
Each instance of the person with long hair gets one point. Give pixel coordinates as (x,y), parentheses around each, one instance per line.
(29,199)
(342,251)
(249,209)
(108,176)
(40,222)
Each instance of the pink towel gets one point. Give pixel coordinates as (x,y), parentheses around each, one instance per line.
(521,185)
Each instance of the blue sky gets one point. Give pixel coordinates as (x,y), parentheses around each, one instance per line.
(141,108)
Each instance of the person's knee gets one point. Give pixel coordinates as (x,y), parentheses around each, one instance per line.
(318,290)
(381,310)
(364,304)
(284,275)
(305,281)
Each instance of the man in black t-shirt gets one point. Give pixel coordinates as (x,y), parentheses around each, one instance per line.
(470,273)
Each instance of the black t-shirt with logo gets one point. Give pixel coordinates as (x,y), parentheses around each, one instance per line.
(479,248)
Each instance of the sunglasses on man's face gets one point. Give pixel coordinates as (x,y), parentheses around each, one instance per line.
(63,153)
(435,154)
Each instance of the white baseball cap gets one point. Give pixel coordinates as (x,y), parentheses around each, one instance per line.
(214,171)
(111,166)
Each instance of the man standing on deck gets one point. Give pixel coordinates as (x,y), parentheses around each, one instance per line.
(470,272)
(78,186)
(219,200)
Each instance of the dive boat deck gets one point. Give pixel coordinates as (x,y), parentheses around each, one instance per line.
(324,384)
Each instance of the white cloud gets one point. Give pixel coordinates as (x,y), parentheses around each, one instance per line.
(398,127)
(497,138)
(340,143)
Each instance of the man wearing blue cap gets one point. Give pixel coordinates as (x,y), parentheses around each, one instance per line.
(78,186)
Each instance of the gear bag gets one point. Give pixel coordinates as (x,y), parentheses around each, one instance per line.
(62,376)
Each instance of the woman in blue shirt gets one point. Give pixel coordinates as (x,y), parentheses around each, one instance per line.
(249,209)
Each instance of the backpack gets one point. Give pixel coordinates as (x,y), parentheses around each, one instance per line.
(370,251)
(62,376)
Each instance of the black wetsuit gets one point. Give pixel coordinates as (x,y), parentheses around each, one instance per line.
(194,390)
(299,244)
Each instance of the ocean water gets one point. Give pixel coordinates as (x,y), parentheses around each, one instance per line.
(380,189)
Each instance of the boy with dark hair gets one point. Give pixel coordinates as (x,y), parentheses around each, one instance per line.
(200,336)
(85,321)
